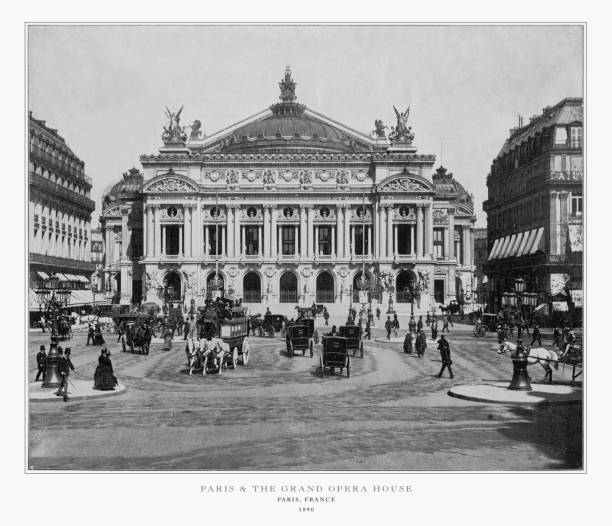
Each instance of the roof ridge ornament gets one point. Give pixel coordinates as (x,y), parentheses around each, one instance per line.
(174,134)
(401,133)
(287,87)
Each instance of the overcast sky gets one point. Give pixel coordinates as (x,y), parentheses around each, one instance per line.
(105,88)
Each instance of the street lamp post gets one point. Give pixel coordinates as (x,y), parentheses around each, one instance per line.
(51,298)
(520,377)
(412,291)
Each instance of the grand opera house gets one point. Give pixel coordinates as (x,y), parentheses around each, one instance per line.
(289,207)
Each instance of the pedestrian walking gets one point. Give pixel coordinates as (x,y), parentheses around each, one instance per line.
(408,343)
(388,327)
(420,344)
(368,331)
(501,335)
(536,335)
(187,326)
(428,319)
(420,324)
(43,322)
(511,327)
(395,325)
(445,323)
(370,317)
(104,377)
(434,329)
(378,313)
(445,355)
(90,334)
(63,368)
(120,331)
(167,346)
(326,316)
(41,361)
(557,336)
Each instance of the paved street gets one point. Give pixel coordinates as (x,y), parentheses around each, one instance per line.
(279,414)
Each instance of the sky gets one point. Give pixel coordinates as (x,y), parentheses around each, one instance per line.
(105,87)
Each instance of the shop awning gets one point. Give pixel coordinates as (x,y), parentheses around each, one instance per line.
(527,239)
(82,279)
(61,277)
(42,274)
(515,247)
(494,249)
(538,243)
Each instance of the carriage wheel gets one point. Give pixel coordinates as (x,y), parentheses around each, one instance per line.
(361,349)
(322,368)
(235,358)
(290,350)
(311,348)
(481,331)
(245,351)
(316,337)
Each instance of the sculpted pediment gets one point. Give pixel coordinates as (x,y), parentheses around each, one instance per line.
(112,211)
(405,183)
(170,183)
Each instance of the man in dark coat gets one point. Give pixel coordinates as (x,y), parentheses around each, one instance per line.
(350,321)
(434,328)
(388,327)
(368,331)
(420,324)
(408,343)
(41,361)
(333,331)
(63,368)
(557,337)
(326,316)
(501,335)
(536,335)
(420,344)
(378,313)
(90,334)
(445,355)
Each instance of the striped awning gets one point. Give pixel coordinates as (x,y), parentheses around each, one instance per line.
(517,245)
(82,279)
(42,274)
(61,277)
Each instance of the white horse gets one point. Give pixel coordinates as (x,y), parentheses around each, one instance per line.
(535,355)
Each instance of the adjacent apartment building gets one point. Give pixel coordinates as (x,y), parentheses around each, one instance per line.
(535,210)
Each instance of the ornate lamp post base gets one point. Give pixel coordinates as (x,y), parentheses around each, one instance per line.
(51,377)
(520,377)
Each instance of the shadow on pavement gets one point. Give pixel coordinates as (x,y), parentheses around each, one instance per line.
(556,430)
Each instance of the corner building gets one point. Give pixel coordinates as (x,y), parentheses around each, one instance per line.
(292,205)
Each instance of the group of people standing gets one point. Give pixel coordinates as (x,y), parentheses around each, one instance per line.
(420,345)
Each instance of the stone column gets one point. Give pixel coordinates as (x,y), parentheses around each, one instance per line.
(266,232)
(451,233)
(295,240)
(229,230)
(333,241)
(429,231)
(259,240)
(151,244)
(242,250)
(237,232)
(207,241)
(348,249)
(316,237)
(339,229)
(466,245)
(222,234)
(187,230)
(181,232)
(163,240)
(156,233)
(107,245)
(125,235)
(198,232)
(353,251)
(382,232)
(369,227)
(389,231)
(274,233)
(303,236)
(395,240)
(412,234)
(310,231)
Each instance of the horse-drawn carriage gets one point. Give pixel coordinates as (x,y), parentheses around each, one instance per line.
(335,355)
(232,331)
(64,327)
(299,338)
(485,324)
(137,331)
(270,325)
(353,336)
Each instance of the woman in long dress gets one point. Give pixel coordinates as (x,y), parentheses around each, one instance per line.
(108,379)
(98,372)
(408,343)
(167,346)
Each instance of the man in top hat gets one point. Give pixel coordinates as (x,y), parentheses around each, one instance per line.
(537,336)
(41,360)
(445,355)
(388,327)
(63,368)
(333,332)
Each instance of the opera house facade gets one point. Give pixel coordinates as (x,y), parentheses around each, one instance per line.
(289,207)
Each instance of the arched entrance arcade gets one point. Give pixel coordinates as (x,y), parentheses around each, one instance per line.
(325,288)
(251,288)
(404,282)
(288,288)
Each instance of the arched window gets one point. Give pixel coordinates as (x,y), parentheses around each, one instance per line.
(325,288)
(288,288)
(405,284)
(251,288)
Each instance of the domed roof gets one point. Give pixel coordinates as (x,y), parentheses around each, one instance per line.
(130,183)
(291,127)
(447,185)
